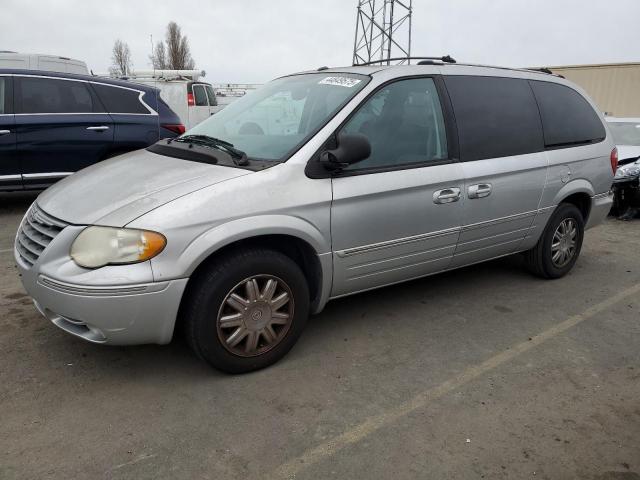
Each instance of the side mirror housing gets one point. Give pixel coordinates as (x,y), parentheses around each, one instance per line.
(352,148)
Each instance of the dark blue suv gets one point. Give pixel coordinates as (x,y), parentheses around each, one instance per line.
(54,124)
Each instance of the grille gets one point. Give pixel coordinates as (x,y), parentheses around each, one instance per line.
(35,234)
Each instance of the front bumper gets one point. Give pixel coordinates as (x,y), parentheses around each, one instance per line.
(119,305)
(100,316)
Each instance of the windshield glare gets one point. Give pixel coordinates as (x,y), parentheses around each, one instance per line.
(625,133)
(271,122)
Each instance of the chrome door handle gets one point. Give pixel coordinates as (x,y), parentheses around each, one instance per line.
(480,191)
(101,128)
(446,195)
(5,132)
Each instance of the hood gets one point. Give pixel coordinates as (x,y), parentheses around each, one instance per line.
(115,192)
(628,151)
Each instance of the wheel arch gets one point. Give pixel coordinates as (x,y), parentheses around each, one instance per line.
(297,249)
(292,237)
(579,193)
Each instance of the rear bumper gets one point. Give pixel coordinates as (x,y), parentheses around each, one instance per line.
(600,207)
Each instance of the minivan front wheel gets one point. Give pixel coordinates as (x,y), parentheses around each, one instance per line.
(247,310)
(255,316)
(559,247)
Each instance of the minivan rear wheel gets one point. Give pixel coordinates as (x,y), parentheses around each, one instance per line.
(246,310)
(558,249)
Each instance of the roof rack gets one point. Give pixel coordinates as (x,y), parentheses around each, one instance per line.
(423,60)
(543,70)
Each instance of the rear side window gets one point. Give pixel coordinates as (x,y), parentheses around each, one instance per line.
(48,95)
(120,100)
(496,117)
(200,96)
(567,117)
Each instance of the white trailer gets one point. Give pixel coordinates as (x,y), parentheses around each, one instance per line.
(35,61)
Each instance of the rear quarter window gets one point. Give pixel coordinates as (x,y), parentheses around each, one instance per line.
(496,117)
(120,100)
(567,118)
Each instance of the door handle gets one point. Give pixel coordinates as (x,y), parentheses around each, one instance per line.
(446,195)
(5,132)
(100,128)
(480,190)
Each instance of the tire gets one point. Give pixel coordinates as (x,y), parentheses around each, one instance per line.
(540,259)
(255,313)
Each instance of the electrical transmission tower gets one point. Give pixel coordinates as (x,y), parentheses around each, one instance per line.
(383,32)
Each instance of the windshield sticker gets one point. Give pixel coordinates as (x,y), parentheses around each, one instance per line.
(340,81)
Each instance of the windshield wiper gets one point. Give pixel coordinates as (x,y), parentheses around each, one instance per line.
(239,157)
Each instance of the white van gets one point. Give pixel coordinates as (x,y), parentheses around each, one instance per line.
(49,63)
(193,100)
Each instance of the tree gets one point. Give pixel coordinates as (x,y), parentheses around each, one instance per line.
(174,53)
(159,56)
(121,59)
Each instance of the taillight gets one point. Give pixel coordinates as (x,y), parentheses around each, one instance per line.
(175,128)
(190,101)
(614,160)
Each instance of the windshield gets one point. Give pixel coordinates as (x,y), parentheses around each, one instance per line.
(273,121)
(626,133)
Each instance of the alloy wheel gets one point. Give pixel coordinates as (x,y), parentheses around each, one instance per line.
(564,242)
(255,315)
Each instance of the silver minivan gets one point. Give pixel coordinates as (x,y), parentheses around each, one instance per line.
(318,185)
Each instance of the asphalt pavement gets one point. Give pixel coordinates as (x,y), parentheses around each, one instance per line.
(485,372)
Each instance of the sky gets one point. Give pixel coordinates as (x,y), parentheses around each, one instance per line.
(254,41)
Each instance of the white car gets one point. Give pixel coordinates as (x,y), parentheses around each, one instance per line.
(626,134)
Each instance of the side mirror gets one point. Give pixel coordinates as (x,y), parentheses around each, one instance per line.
(352,148)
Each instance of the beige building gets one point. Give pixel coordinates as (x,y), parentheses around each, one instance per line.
(614,87)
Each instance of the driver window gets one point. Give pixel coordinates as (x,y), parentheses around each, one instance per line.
(404,124)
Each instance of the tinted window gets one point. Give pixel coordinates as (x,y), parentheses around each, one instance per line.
(200,95)
(211,95)
(404,123)
(48,95)
(496,117)
(567,117)
(119,100)
(3,90)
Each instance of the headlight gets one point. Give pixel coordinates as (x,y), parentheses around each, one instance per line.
(628,171)
(99,246)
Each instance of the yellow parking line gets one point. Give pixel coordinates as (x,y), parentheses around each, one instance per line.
(371,425)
